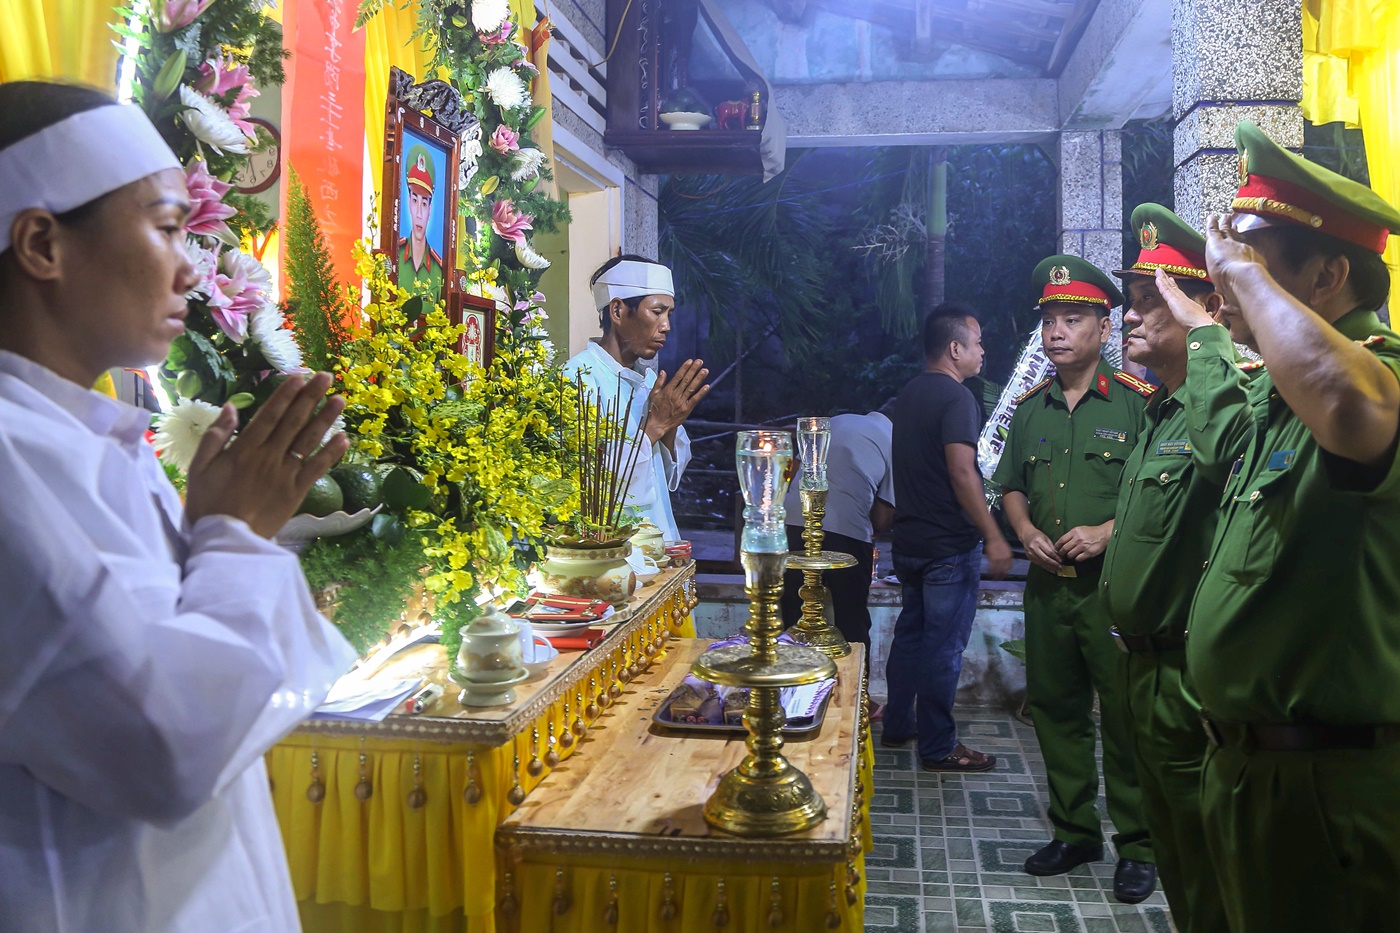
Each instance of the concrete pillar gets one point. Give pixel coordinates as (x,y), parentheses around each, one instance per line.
(1091,207)
(1232,60)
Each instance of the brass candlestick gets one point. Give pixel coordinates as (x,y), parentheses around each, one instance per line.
(813,629)
(765,795)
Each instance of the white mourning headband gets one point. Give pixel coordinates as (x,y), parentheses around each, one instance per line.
(77,160)
(632,279)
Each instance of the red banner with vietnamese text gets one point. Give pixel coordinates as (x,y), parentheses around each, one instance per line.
(323,118)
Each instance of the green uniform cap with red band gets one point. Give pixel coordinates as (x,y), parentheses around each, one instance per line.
(1167,244)
(1281,187)
(1071,279)
(420,169)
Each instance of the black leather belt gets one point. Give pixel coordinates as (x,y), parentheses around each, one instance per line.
(1299,737)
(1147,644)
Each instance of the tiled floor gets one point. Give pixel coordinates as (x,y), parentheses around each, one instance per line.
(948,849)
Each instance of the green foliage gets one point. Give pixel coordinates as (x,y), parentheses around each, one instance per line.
(1334,146)
(371,580)
(314,298)
(1148,154)
(754,254)
(1016,648)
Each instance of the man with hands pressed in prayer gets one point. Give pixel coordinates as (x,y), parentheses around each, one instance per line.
(153,652)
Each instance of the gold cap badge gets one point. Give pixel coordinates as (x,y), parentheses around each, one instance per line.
(1147,236)
(1059,275)
(1242,167)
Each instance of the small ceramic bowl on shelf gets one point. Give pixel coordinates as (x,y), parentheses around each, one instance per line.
(685,120)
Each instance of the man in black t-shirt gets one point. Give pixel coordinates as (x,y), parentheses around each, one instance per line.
(941,520)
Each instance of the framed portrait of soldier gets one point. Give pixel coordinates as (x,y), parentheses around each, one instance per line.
(478,318)
(419,220)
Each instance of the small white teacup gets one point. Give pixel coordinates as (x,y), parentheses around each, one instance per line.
(643,566)
(534,649)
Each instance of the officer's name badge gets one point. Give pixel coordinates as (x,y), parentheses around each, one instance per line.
(1174,447)
(1281,459)
(1110,434)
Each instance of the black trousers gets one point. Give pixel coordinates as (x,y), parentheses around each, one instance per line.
(850,587)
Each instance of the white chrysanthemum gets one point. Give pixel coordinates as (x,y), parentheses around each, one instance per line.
(488,15)
(204,262)
(210,124)
(278,345)
(337,427)
(179,431)
(526,255)
(506,88)
(527,164)
(235,262)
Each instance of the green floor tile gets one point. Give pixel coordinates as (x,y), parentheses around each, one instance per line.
(1030,917)
(886,914)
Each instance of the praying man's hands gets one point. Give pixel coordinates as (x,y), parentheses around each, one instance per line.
(673,399)
(262,474)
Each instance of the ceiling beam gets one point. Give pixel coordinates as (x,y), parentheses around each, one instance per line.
(1070,34)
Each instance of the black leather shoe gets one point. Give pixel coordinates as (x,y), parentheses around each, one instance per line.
(1134,882)
(1058,857)
(886,742)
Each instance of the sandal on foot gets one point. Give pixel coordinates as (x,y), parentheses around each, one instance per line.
(963,759)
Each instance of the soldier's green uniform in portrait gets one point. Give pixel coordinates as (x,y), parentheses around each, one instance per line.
(1165,521)
(1068,465)
(425,279)
(1294,636)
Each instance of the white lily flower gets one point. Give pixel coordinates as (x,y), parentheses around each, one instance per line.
(210,124)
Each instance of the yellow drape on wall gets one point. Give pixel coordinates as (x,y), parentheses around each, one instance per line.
(69,39)
(1352,73)
(387,45)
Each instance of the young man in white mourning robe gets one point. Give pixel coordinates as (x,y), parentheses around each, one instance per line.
(635,298)
(152,652)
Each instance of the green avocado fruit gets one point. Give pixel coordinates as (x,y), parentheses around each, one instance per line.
(323,498)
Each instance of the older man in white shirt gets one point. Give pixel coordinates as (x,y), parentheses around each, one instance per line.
(152,652)
(635,299)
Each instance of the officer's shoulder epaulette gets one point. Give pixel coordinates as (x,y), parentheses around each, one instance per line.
(1145,389)
(1033,390)
(1374,340)
(1250,366)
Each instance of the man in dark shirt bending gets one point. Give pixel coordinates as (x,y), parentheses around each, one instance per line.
(941,521)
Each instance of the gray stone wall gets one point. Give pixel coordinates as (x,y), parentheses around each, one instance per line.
(1231,60)
(1091,208)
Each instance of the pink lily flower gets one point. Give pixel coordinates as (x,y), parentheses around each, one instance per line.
(505,140)
(207,208)
(509,223)
(220,75)
(177,14)
(498,38)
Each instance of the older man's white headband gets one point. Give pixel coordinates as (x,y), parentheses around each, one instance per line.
(77,160)
(632,279)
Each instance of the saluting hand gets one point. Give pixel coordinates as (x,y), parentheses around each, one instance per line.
(1227,253)
(673,399)
(262,475)
(1187,313)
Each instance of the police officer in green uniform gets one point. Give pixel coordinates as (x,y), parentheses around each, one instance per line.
(1293,643)
(1070,437)
(420,266)
(1164,524)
